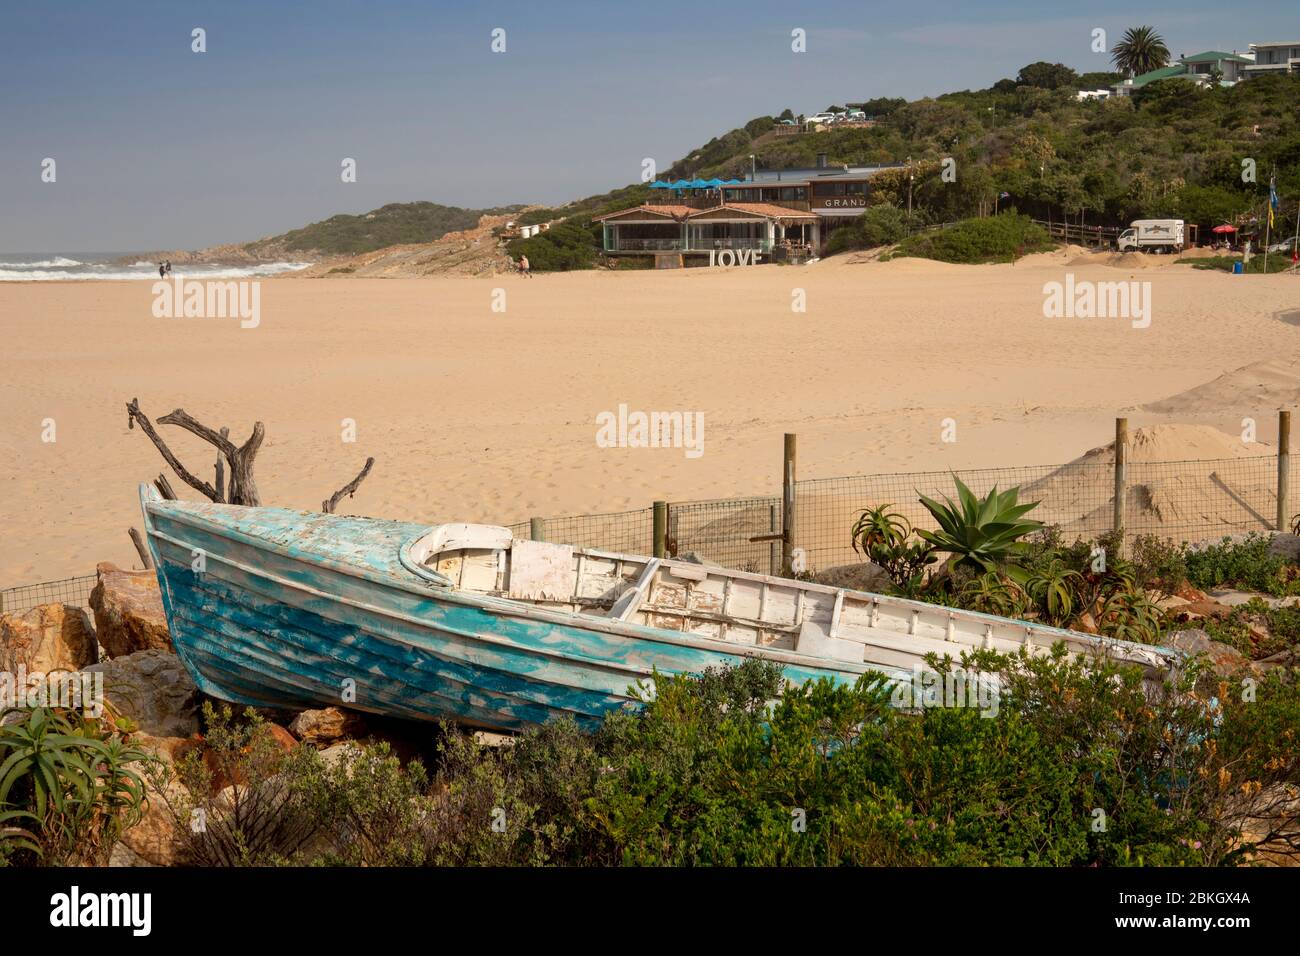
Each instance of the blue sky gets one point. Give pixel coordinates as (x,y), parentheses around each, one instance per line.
(159,147)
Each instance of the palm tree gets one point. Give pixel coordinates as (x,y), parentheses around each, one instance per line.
(1141,51)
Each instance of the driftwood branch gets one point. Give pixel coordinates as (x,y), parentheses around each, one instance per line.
(164,487)
(138,541)
(235,486)
(347,490)
(134,415)
(221,471)
(241,488)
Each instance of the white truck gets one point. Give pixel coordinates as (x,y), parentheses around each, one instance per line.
(1153,235)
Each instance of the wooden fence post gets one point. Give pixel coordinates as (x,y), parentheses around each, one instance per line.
(787,503)
(661,529)
(537,529)
(1283,470)
(1121,475)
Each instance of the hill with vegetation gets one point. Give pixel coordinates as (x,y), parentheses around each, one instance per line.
(391,225)
(1172,149)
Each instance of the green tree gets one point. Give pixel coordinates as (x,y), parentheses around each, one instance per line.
(1047,76)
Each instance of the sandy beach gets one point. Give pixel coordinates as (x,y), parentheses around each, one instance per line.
(479,415)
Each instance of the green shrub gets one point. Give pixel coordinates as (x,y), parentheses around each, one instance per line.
(565,246)
(1256,629)
(1246,565)
(245,801)
(1000,238)
(880,225)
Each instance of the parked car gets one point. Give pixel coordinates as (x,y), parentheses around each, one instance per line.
(822,118)
(787,122)
(1286,245)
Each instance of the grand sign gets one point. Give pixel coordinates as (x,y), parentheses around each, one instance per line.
(839,202)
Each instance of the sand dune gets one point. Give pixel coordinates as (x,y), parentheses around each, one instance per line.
(479,415)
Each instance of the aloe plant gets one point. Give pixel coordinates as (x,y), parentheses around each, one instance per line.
(980,534)
(1054,587)
(74,782)
(883,536)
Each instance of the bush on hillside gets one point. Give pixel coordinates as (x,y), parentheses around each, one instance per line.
(566,245)
(1000,238)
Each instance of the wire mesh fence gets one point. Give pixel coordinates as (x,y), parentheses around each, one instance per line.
(1185,501)
(626,531)
(740,533)
(20,600)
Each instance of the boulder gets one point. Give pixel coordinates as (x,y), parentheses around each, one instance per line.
(153,689)
(866,576)
(320,727)
(1193,641)
(128,609)
(156,840)
(1195,610)
(52,637)
(1286,546)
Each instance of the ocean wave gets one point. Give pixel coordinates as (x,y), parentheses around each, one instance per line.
(56,262)
(28,273)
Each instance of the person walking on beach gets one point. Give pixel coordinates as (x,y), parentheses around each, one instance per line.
(168,264)
(162,272)
(524,267)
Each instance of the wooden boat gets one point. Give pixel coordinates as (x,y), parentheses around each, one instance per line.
(281,608)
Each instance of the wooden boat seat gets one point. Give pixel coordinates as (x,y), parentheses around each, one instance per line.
(459,537)
(631,601)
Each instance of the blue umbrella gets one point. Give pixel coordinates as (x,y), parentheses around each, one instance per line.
(714,183)
(660,184)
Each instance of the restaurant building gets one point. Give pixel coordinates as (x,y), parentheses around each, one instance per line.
(778,214)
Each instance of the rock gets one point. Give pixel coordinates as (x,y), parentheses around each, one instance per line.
(1225,660)
(129,614)
(1286,546)
(167,749)
(155,840)
(340,752)
(282,737)
(225,777)
(866,576)
(154,690)
(52,637)
(317,727)
(694,557)
(1195,610)
(1231,598)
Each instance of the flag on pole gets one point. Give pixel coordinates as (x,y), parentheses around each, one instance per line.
(1272,199)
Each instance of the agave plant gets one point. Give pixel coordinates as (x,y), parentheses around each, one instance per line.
(981,534)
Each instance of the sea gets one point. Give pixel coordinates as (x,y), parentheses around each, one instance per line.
(52,266)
